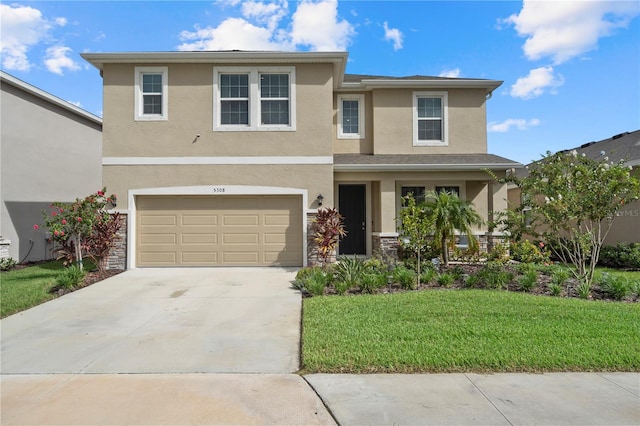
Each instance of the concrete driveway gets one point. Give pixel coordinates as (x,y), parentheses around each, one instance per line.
(78,359)
(190,320)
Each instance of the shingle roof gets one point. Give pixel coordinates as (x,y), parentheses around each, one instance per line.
(624,146)
(356,78)
(424,162)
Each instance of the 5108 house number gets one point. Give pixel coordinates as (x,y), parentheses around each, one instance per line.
(218,190)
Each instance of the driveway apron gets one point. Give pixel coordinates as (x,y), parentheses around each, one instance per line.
(191,320)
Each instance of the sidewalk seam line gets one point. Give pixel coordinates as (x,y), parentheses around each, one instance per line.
(321,400)
(488,399)
(618,385)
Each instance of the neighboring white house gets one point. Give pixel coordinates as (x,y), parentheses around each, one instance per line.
(50,150)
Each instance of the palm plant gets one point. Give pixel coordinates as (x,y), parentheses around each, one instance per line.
(450,213)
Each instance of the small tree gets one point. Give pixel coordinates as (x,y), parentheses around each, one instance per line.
(571,202)
(84,226)
(449,213)
(416,228)
(327,229)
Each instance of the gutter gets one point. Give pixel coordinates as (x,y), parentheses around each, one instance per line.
(422,167)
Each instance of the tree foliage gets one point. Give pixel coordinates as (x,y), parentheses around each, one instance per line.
(570,201)
(83,227)
(450,214)
(416,228)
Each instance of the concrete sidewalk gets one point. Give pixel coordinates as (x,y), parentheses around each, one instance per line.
(476,399)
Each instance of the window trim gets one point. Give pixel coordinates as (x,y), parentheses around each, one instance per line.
(444,96)
(138,110)
(255,99)
(361,124)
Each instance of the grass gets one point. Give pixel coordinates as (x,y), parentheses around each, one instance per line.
(24,288)
(468,330)
(21,289)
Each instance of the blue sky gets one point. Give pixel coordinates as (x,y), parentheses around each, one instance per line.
(571,69)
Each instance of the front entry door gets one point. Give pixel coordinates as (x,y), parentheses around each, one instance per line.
(352,205)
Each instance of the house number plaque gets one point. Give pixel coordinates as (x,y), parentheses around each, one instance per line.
(218,190)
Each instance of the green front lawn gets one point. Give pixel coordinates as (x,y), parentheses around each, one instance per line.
(23,288)
(468,330)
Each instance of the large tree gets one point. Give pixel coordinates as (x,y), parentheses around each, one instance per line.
(450,214)
(570,200)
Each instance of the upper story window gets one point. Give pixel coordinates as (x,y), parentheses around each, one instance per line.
(254,99)
(430,119)
(350,116)
(151,97)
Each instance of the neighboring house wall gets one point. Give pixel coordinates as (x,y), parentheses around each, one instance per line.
(50,151)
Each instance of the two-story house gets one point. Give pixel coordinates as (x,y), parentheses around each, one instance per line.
(222,158)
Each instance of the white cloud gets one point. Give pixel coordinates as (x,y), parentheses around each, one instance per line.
(22,28)
(453,73)
(518,123)
(61,22)
(539,81)
(563,30)
(393,34)
(233,33)
(57,60)
(314,25)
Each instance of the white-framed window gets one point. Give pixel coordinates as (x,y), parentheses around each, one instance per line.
(151,94)
(450,189)
(254,99)
(430,119)
(351,117)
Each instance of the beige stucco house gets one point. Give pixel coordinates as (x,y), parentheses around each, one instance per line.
(223,158)
(50,150)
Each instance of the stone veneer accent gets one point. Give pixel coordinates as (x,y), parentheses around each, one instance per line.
(117,258)
(4,248)
(385,249)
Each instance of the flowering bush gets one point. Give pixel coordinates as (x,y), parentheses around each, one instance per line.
(83,227)
(528,252)
(327,230)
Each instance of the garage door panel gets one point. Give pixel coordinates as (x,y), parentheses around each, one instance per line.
(159,220)
(241,257)
(219,230)
(198,258)
(158,259)
(148,238)
(210,239)
(199,220)
(240,219)
(246,238)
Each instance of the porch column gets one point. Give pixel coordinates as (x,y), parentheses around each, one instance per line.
(497,202)
(385,241)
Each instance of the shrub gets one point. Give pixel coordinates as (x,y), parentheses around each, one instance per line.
(446,279)
(584,290)
(341,287)
(615,287)
(528,280)
(70,278)
(428,274)
(494,274)
(472,281)
(555,289)
(621,256)
(7,264)
(559,275)
(350,270)
(405,277)
(371,282)
(317,282)
(499,253)
(327,229)
(375,265)
(526,251)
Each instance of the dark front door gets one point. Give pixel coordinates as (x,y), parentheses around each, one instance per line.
(352,205)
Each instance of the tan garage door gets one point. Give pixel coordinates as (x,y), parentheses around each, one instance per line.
(219,231)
